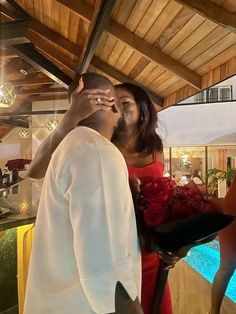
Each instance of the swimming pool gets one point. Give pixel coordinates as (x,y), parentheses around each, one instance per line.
(205,259)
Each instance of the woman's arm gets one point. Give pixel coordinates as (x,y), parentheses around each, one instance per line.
(43,155)
(83,104)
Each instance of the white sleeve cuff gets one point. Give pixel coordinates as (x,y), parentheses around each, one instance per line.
(100,290)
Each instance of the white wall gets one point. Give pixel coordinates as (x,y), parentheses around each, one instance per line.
(196,125)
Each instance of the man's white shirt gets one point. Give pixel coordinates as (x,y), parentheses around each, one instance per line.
(85,236)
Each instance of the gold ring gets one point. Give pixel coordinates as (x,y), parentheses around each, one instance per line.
(99,101)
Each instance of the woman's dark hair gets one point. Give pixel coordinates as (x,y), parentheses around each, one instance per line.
(147,140)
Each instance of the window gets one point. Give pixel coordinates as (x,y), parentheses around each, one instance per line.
(221,93)
(185,161)
(225,93)
(200,97)
(213,94)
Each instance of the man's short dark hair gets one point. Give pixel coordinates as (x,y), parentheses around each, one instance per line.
(91,80)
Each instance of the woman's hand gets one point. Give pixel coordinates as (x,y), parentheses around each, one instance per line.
(169,258)
(84,103)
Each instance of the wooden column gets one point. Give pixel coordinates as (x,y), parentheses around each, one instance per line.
(222,162)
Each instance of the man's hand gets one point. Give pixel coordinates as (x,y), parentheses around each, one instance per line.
(84,103)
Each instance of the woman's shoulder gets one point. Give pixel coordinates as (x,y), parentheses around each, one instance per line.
(158,157)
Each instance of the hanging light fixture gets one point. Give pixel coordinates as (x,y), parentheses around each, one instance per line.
(24,207)
(24,134)
(7,94)
(52,123)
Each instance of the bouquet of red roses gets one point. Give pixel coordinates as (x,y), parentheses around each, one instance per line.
(162,201)
(171,216)
(174,218)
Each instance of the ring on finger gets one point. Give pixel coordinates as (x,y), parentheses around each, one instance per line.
(99,100)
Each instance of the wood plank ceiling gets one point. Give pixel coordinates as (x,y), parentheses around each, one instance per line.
(172,48)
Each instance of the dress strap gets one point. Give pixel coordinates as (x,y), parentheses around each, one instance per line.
(154,156)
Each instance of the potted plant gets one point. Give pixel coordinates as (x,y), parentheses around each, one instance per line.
(215,175)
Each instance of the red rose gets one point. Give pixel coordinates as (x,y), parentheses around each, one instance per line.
(154,215)
(209,208)
(158,191)
(196,198)
(179,192)
(180,210)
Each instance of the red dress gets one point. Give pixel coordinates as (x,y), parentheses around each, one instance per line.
(150,261)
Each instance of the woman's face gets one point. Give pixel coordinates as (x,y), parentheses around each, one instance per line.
(128,106)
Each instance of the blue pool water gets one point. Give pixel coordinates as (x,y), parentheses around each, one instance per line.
(205,259)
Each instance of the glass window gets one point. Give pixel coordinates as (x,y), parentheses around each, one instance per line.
(213,94)
(200,97)
(225,93)
(219,94)
(187,163)
(167,162)
(219,159)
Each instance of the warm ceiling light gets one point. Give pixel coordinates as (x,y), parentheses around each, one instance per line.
(7,94)
(24,134)
(52,124)
(24,207)
(24,72)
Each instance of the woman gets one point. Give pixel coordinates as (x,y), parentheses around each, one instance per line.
(143,151)
(141,147)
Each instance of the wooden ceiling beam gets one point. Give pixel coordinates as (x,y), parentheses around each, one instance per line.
(63,61)
(54,37)
(142,46)
(213,12)
(83,9)
(99,27)
(49,97)
(4,53)
(42,91)
(14,32)
(32,113)
(15,122)
(28,81)
(16,10)
(154,54)
(39,28)
(119,76)
(28,53)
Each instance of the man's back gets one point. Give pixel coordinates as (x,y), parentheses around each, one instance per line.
(85,239)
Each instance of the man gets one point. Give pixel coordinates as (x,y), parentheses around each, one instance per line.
(85,257)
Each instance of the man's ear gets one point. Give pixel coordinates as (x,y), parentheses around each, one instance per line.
(74,84)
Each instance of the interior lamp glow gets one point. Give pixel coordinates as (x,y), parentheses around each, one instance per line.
(52,124)
(7,94)
(24,134)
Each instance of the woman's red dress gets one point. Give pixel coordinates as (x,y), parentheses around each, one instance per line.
(150,261)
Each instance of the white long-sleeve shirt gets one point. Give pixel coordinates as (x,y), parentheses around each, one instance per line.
(85,236)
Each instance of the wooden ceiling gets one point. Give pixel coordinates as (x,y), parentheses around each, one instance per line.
(172,48)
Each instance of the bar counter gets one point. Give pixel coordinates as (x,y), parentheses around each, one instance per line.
(21,202)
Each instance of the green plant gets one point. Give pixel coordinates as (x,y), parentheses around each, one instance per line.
(214,175)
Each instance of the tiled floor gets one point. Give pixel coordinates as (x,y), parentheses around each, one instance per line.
(191,292)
